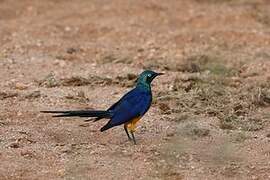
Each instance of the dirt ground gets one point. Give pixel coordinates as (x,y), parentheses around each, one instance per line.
(210,117)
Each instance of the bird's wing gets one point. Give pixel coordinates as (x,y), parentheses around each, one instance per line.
(134,104)
(128,95)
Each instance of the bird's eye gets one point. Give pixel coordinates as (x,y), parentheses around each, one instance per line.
(149,75)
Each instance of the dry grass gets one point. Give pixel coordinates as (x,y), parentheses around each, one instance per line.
(211,88)
(5,95)
(261,14)
(52,81)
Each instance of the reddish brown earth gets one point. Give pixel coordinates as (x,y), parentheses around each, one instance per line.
(62,54)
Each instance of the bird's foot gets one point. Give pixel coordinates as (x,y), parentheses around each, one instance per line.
(133,138)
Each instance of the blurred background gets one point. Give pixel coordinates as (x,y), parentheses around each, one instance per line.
(210,113)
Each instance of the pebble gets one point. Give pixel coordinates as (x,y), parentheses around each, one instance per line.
(20,86)
(60,63)
(14,145)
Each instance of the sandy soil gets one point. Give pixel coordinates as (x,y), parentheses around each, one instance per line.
(62,54)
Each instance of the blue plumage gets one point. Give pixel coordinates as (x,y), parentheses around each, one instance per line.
(128,110)
(134,104)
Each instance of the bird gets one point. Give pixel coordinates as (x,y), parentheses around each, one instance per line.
(127,111)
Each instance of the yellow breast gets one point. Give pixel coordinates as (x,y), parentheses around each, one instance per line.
(131,125)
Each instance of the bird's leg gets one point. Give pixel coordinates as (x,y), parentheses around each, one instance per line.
(133,137)
(126,130)
(131,126)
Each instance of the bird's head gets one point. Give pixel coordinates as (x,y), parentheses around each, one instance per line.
(147,76)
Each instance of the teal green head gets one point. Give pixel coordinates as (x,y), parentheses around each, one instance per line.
(146,77)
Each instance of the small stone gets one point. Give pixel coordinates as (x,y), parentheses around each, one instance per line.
(26,153)
(71,50)
(60,63)
(14,145)
(21,86)
(92,152)
(67,149)
(61,172)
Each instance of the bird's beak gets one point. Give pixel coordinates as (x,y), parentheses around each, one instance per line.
(158,74)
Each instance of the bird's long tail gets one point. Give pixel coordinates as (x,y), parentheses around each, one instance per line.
(81,113)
